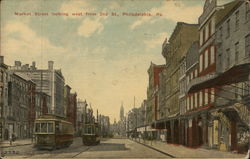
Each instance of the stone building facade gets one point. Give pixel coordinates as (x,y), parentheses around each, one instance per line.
(174,51)
(49,81)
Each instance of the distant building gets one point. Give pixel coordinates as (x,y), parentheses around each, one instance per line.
(66,98)
(49,81)
(42,103)
(163,111)
(104,125)
(81,113)
(122,113)
(71,110)
(152,91)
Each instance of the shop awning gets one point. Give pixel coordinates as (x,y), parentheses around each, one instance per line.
(238,73)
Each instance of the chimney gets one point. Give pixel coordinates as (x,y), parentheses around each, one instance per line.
(33,66)
(1,60)
(18,63)
(50,65)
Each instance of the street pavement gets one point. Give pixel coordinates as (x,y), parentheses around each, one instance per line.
(109,148)
(179,151)
(115,148)
(6,143)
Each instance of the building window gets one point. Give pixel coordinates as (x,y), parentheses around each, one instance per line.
(212,51)
(201,98)
(206,58)
(201,38)
(236,52)
(198,102)
(204,30)
(212,95)
(1,76)
(207,32)
(247,15)
(192,103)
(237,20)
(195,73)
(201,63)
(228,28)
(187,103)
(209,29)
(228,58)
(247,44)
(1,92)
(212,26)
(206,97)
(195,100)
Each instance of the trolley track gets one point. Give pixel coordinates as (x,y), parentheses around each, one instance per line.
(81,152)
(167,154)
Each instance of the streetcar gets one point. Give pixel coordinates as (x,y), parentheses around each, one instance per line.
(91,134)
(52,132)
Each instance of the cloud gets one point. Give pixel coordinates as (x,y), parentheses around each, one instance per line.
(156,41)
(20,41)
(74,6)
(171,10)
(140,22)
(90,26)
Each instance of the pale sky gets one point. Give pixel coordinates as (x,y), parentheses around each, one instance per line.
(103,58)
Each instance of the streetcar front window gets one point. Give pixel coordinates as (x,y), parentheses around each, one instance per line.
(37,127)
(44,127)
(88,130)
(50,127)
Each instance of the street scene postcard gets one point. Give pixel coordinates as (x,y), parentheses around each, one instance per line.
(124,79)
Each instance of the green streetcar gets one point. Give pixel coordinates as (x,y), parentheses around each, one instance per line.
(91,134)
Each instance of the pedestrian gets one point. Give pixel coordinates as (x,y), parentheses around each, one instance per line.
(13,137)
(10,139)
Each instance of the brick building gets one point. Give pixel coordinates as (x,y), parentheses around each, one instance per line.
(3,97)
(71,109)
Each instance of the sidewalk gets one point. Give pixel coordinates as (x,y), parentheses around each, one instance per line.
(21,142)
(180,151)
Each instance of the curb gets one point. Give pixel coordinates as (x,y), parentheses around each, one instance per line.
(15,145)
(167,154)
